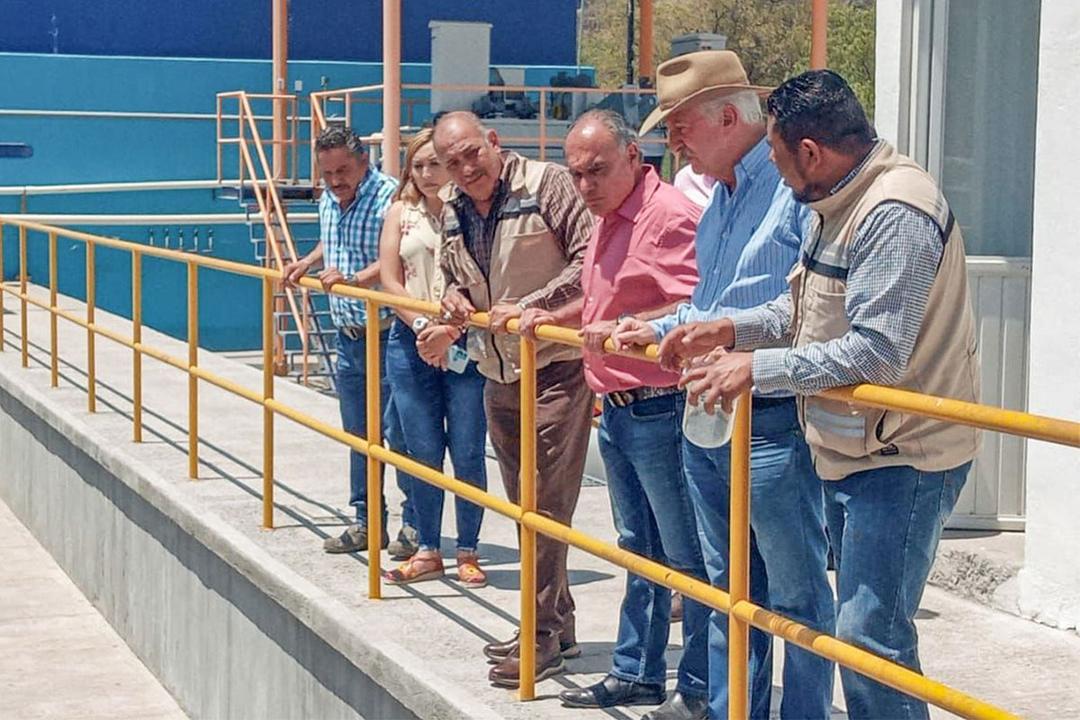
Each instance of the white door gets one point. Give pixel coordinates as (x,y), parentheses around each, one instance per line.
(956,84)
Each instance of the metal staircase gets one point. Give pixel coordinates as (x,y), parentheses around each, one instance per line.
(305,340)
(310,357)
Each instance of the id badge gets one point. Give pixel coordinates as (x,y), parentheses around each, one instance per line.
(457,358)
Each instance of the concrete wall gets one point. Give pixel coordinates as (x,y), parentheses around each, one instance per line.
(1050,580)
(229,631)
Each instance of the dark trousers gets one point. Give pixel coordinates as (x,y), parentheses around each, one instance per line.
(563,423)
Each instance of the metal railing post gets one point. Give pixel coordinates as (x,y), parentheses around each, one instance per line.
(217,132)
(193,362)
(91,340)
(374,437)
(542,112)
(136,338)
(268,393)
(54,359)
(24,340)
(527,637)
(739,563)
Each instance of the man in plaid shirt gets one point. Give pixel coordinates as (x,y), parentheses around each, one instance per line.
(351,215)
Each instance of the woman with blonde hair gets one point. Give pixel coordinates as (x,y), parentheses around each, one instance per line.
(437,391)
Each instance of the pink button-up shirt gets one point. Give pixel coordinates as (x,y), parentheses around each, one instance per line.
(640,257)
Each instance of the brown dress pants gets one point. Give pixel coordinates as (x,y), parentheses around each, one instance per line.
(563,422)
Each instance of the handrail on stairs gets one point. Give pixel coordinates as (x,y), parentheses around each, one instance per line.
(271,210)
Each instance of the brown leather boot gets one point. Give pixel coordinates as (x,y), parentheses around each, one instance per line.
(549,662)
(501,649)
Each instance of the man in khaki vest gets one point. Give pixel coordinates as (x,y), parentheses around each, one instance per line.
(514,237)
(879,296)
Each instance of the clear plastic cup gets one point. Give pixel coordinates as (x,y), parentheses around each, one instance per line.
(705,430)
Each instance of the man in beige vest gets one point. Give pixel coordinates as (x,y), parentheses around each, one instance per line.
(514,238)
(879,296)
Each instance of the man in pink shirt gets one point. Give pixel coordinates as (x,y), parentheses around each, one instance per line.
(640,261)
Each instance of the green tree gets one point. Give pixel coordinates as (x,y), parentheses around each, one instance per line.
(772,37)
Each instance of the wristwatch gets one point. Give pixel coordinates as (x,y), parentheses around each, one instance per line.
(421,322)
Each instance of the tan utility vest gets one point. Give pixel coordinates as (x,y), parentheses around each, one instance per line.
(846,438)
(524,257)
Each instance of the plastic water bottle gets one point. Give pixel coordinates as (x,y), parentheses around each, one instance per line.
(705,430)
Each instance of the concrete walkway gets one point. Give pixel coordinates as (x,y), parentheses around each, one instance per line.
(58,656)
(1026,668)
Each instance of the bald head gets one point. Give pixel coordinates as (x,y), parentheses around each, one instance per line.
(470,153)
(604,159)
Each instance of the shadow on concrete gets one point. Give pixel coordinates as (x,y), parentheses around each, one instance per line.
(511,579)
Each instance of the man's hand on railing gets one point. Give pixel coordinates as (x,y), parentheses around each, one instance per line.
(433,342)
(456,308)
(533,318)
(718,377)
(692,340)
(631,332)
(293,271)
(501,314)
(331,276)
(595,334)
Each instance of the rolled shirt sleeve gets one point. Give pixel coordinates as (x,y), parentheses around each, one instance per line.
(894,261)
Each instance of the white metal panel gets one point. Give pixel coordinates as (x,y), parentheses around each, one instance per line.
(1000,295)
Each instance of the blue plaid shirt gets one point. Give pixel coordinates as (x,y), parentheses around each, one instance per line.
(350,239)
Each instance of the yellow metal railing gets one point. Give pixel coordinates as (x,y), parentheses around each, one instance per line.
(742,613)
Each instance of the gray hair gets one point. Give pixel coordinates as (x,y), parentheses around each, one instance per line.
(746,103)
(337,136)
(611,121)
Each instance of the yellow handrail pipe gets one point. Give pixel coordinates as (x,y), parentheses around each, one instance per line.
(742,612)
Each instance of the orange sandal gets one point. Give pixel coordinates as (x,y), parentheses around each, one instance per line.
(468,571)
(415,569)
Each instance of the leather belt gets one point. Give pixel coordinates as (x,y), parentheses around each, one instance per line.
(358,332)
(622,398)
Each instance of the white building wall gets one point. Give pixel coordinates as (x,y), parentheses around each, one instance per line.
(1050,580)
(888,69)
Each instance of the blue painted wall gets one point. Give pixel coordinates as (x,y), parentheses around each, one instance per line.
(524,32)
(81,149)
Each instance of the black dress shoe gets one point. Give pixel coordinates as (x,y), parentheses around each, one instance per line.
(680,707)
(612,691)
(500,650)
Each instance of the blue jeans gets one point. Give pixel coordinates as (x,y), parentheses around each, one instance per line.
(439,410)
(787,559)
(891,523)
(641,445)
(352,399)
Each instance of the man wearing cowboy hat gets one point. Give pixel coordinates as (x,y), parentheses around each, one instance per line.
(747,241)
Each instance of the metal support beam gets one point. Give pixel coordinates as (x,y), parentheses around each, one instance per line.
(819,30)
(645,44)
(391,144)
(280,84)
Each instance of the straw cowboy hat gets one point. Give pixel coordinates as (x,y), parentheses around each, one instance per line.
(695,76)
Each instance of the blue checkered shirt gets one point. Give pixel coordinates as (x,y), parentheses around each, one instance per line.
(350,239)
(894,259)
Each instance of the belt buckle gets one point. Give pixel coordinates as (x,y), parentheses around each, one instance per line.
(621,398)
(350,332)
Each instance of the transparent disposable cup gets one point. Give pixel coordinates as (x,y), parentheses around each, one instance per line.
(705,430)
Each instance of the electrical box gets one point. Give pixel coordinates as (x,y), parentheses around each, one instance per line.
(697,41)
